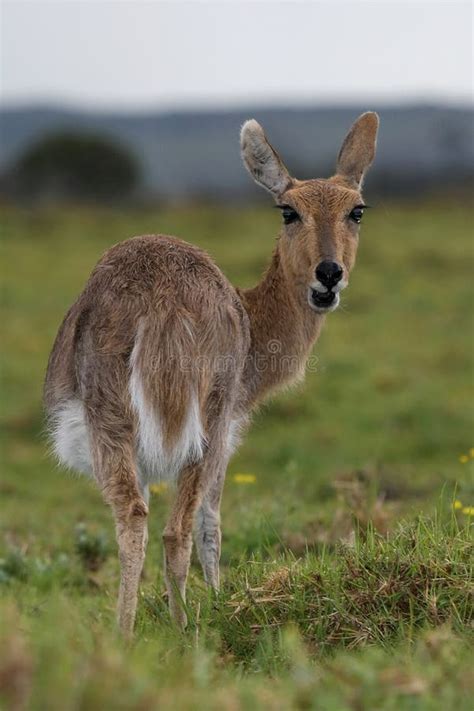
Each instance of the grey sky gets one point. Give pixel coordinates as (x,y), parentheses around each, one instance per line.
(135,54)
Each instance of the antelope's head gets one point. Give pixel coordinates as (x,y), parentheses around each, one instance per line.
(321,217)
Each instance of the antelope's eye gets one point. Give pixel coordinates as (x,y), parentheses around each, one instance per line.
(289,215)
(356,214)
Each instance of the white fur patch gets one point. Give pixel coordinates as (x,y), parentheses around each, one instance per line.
(71,443)
(317,286)
(155,461)
(234,435)
(340,286)
(70,437)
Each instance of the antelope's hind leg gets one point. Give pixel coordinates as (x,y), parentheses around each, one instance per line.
(207,530)
(196,507)
(117,474)
(177,540)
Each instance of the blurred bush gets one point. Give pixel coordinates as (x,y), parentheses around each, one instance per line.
(92,548)
(73,166)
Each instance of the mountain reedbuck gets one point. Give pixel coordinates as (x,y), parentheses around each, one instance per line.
(158,364)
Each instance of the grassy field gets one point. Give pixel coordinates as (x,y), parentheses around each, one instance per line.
(347,548)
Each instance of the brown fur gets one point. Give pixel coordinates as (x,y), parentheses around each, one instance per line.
(170,298)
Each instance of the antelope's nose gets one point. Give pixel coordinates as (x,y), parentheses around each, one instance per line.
(329,273)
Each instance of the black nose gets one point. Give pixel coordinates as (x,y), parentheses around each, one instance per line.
(328,273)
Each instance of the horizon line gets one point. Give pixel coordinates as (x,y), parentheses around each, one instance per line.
(250,105)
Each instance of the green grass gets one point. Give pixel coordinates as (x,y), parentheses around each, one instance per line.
(346,571)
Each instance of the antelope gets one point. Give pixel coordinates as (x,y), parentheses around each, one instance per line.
(160,361)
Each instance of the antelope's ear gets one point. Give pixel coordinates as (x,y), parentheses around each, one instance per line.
(358,149)
(261,160)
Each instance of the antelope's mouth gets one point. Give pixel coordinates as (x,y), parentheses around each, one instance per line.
(322,301)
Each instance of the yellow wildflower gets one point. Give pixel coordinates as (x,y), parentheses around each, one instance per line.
(468,510)
(244,478)
(471,452)
(158,489)
(457,504)
(463,458)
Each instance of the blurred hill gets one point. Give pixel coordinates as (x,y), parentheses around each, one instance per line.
(196,154)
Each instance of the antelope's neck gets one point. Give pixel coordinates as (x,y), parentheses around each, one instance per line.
(283,330)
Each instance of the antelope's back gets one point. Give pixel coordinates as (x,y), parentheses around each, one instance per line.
(124,360)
